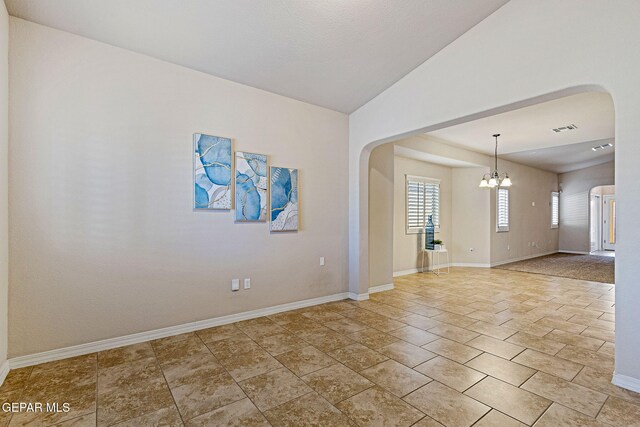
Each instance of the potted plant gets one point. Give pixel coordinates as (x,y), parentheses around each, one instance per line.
(437,245)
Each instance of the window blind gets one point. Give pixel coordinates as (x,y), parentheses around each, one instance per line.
(423,199)
(502,209)
(555,209)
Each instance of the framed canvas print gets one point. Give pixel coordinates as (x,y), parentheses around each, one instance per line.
(284,199)
(251,186)
(212,172)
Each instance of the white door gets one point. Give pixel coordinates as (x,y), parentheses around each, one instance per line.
(595,206)
(609,223)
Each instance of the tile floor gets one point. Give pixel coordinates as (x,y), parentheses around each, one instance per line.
(478,347)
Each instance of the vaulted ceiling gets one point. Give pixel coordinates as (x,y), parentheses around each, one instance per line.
(337,54)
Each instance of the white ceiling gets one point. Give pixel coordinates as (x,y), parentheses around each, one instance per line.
(334,53)
(527,136)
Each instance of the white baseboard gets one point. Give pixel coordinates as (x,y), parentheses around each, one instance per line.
(4,371)
(470,264)
(522,258)
(419,270)
(92,347)
(358,297)
(380,288)
(562,251)
(624,381)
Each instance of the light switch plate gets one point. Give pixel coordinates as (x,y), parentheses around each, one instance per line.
(235,284)
(247,283)
(321,260)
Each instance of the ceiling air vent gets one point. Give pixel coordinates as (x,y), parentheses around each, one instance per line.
(565,128)
(602,147)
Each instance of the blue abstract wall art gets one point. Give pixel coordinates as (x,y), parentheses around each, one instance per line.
(251,186)
(284,199)
(212,172)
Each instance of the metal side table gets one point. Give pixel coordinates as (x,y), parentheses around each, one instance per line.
(435,256)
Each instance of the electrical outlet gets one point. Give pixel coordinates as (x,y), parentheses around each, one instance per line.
(508,247)
(321,260)
(247,283)
(235,284)
(533,203)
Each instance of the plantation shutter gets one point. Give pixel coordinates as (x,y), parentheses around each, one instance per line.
(423,199)
(555,209)
(502,211)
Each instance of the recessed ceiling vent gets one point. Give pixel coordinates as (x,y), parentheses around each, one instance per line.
(565,128)
(602,147)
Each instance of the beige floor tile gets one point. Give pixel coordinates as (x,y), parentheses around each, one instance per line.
(427,422)
(540,344)
(16,379)
(413,335)
(345,325)
(558,415)
(10,397)
(395,377)
(242,413)
(484,328)
(620,413)
(89,420)
(599,334)
(305,360)
(553,365)
(495,346)
(170,351)
(337,382)
(168,417)
(587,357)
(446,405)
(608,348)
(600,380)
(510,372)
(131,390)
(373,338)
(323,316)
(219,333)
(454,319)
(357,356)
(247,365)
(419,321)
(262,329)
(406,353)
(571,395)
(191,370)
(570,327)
(498,419)
(308,410)
(383,324)
(452,350)
(325,339)
(453,333)
(450,373)
(376,407)
(228,348)
(576,340)
(206,394)
(280,343)
(130,353)
(274,388)
(520,404)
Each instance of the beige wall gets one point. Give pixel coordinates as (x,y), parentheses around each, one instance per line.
(574,204)
(104,241)
(406,246)
(471,237)
(4,183)
(381,215)
(530,231)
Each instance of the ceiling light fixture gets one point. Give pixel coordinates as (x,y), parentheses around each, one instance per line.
(602,147)
(565,128)
(495,178)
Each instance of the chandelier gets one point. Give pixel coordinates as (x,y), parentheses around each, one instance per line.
(495,178)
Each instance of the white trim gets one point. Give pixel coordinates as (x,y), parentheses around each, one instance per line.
(470,264)
(358,297)
(522,258)
(405,272)
(92,347)
(4,371)
(380,288)
(624,381)
(562,251)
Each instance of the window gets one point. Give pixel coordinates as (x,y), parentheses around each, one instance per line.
(502,209)
(423,199)
(555,209)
